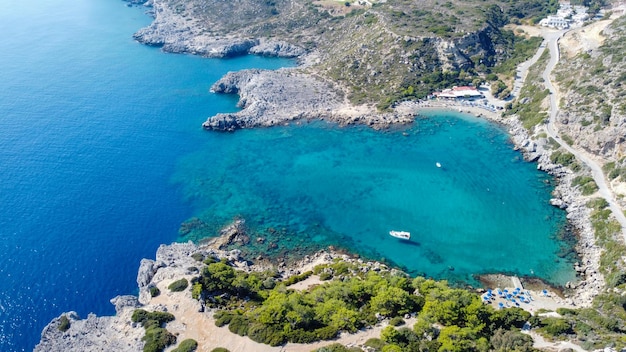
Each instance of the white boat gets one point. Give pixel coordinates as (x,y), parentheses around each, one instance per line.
(438,164)
(400,234)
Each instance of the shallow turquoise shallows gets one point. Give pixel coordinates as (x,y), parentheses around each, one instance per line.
(102,158)
(470,202)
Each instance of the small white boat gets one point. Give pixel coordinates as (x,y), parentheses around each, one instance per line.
(400,234)
(438,164)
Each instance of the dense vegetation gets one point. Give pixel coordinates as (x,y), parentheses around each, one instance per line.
(263,308)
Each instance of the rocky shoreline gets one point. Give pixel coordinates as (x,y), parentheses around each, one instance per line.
(591,283)
(174,261)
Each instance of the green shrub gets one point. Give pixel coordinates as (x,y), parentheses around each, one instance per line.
(154,291)
(188,345)
(562,158)
(589,188)
(335,347)
(198,256)
(302,336)
(297,278)
(239,325)
(151,318)
(222,318)
(325,276)
(210,260)
(178,285)
(375,343)
(556,326)
(64,323)
(566,311)
(157,339)
(196,290)
(220,349)
(266,334)
(326,333)
(396,321)
(586,183)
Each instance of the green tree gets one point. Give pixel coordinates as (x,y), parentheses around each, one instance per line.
(391,301)
(392,348)
(511,341)
(456,339)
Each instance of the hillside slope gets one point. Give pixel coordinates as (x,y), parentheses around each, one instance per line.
(592,88)
(379,52)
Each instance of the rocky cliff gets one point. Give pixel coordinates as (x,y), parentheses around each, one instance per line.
(118,332)
(591,78)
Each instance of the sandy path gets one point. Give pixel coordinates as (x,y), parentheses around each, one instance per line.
(541,343)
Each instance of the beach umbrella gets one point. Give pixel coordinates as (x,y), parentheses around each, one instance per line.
(501,305)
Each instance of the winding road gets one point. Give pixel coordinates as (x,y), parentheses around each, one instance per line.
(551,41)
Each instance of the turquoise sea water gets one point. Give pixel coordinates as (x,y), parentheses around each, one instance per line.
(102,158)
(485,210)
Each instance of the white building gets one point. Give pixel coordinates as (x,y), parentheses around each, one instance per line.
(459,93)
(554,22)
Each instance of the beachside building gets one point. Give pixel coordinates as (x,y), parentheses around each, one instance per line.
(554,22)
(459,93)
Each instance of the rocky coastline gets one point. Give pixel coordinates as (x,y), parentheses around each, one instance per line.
(175,33)
(591,281)
(172,262)
(570,199)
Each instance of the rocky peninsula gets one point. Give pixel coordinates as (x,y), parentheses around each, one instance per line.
(270,98)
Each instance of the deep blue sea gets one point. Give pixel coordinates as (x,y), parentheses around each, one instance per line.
(102,158)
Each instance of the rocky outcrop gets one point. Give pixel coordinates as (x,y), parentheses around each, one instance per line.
(176,32)
(276,48)
(116,333)
(270,98)
(174,261)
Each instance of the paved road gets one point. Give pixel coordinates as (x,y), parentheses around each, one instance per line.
(596,170)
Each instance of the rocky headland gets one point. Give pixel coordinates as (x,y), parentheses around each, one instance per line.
(269,98)
(193,319)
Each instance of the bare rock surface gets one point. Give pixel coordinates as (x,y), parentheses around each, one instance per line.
(116,333)
(270,98)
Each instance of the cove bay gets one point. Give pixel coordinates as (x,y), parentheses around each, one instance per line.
(103,157)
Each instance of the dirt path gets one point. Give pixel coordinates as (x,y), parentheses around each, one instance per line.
(541,343)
